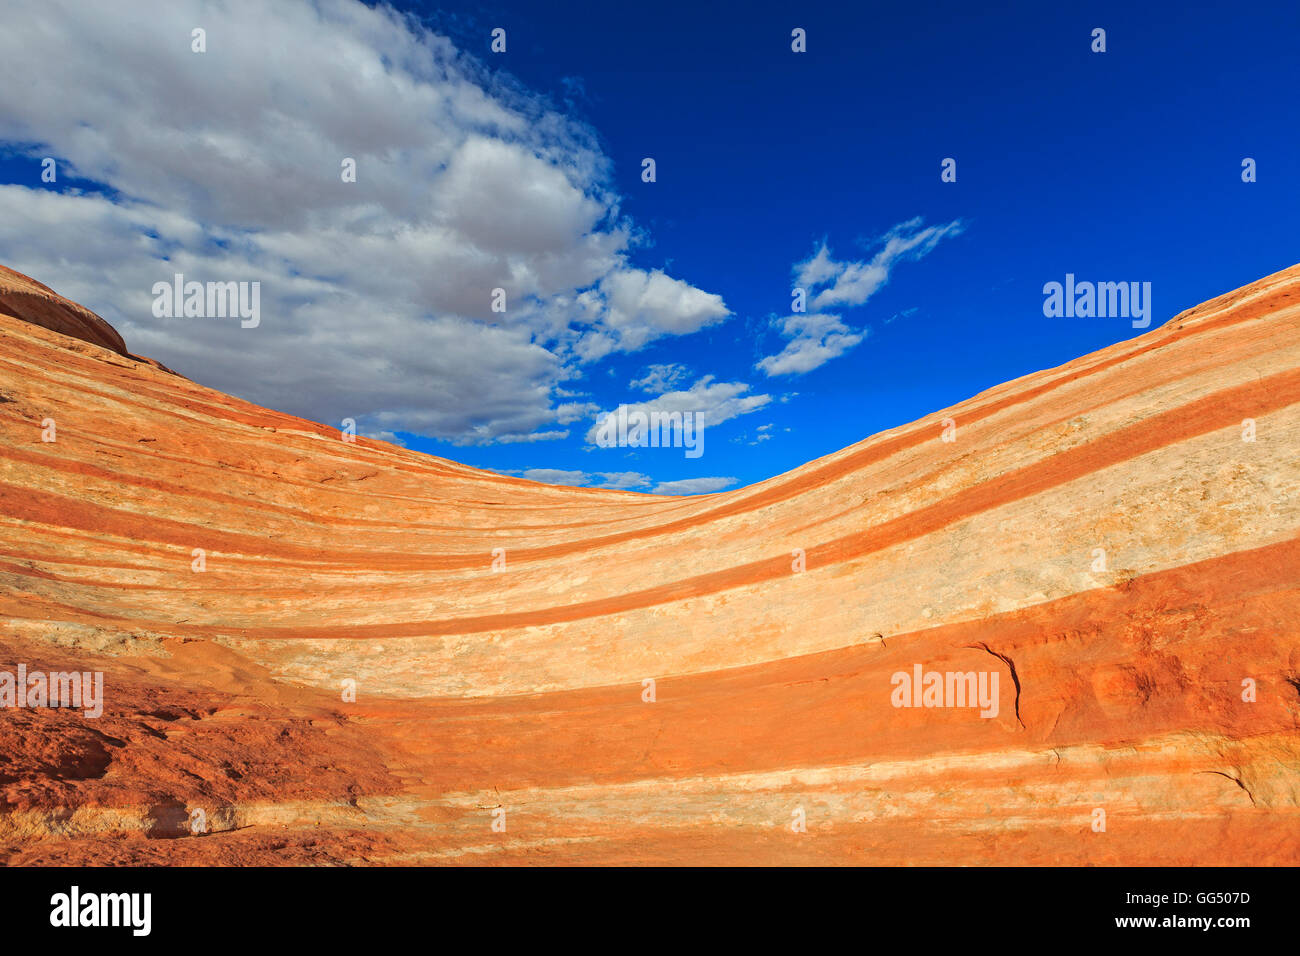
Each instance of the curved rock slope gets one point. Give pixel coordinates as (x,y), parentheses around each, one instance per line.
(25,298)
(564,675)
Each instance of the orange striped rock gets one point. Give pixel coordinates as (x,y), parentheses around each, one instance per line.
(565,675)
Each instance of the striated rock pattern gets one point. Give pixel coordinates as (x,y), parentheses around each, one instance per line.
(26,299)
(549,675)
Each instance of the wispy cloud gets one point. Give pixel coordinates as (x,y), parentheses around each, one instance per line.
(853,283)
(529,437)
(714,402)
(623,481)
(814,339)
(693,486)
(661,378)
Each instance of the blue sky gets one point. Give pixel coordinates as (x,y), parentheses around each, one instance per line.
(1115,166)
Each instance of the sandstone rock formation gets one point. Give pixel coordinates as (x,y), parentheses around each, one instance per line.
(25,298)
(1115,538)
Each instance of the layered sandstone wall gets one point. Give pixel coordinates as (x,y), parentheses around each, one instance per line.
(1122,531)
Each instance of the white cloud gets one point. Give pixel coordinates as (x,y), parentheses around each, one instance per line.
(761,434)
(853,283)
(532,437)
(693,486)
(715,402)
(623,481)
(615,480)
(814,339)
(555,476)
(906,313)
(660,378)
(639,307)
(570,412)
(817,270)
(375,294)
(384,436)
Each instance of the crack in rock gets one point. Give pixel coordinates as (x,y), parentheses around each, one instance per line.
(1236,780)
(1015,678)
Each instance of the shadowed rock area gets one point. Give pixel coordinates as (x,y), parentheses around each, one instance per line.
(1116,539)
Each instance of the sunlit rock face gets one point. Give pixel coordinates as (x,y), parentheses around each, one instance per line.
(1056,623)
(24,298)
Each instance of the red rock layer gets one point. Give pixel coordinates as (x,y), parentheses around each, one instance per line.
(1115,538)
(26,299)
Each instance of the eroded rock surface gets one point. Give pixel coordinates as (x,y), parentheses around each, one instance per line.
(1104,528)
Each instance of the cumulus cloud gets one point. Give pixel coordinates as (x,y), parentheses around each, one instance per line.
(638,307)
(714,402)
(376,296)
(853,283)
(814,339)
